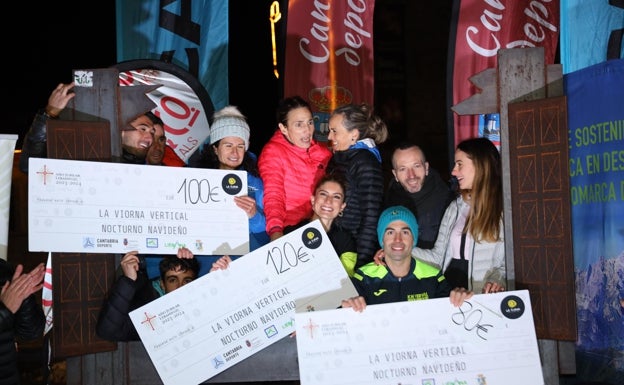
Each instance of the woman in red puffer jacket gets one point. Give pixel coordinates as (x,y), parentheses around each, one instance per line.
(290,164)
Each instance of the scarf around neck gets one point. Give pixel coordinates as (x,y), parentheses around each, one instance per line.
(367,144)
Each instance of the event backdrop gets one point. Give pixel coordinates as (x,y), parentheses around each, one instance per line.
(181,102)
(591,34)
(329,55)
(191,34)
(484,27)
(596,137)
(588,27)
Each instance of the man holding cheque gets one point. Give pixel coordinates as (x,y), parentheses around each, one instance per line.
(343,347)
(403,278)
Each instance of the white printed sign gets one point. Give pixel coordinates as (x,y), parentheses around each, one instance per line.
(100,207)
(216,321)
(490,339)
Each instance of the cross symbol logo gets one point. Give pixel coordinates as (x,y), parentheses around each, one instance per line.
(45,173)
(148,320)
(311,326)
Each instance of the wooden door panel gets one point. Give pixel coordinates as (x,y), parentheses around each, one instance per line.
(542,240)
(72,139)
(80,283)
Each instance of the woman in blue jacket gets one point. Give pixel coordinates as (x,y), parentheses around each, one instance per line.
(229,150)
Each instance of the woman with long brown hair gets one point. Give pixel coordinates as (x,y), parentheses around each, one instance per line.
(470,248)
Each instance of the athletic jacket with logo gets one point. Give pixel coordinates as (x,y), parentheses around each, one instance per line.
(377,284)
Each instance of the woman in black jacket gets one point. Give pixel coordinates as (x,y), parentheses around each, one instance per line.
(21,317)
(354,132)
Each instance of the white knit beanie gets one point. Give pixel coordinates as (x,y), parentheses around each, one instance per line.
(229,121)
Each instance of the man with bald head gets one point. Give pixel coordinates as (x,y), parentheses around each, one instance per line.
(420,188)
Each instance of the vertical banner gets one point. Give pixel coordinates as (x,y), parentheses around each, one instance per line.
(329,56)
(484,27)
(7,146)
(47,299)
(588,29)
(190,34)
(596,137)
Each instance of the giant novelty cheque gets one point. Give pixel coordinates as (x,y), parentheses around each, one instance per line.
(490,339)
(199,330)
(102,207)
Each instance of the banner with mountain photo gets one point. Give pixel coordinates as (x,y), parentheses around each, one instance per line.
(596,139)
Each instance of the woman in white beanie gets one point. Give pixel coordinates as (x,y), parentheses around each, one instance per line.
(229,150)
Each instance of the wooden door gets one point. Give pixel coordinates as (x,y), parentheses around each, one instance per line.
(80,281)
(540,196)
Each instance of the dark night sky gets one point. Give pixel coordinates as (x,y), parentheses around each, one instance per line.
(56,37)
(53,38)
(45,51)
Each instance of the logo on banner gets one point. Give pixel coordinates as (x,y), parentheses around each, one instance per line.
(181,102)
(324,100)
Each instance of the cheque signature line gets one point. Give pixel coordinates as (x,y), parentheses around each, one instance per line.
(488,309)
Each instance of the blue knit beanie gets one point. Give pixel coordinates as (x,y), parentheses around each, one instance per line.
(396,213)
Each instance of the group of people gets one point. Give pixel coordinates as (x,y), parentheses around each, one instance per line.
(414,239)
(467,255)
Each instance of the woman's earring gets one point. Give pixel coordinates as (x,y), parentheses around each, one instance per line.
(340,213)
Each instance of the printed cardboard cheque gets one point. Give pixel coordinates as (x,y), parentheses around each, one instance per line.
(101,207)
(490,339)
(210,324)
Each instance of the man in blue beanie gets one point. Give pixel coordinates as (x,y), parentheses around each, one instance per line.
(402,278)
